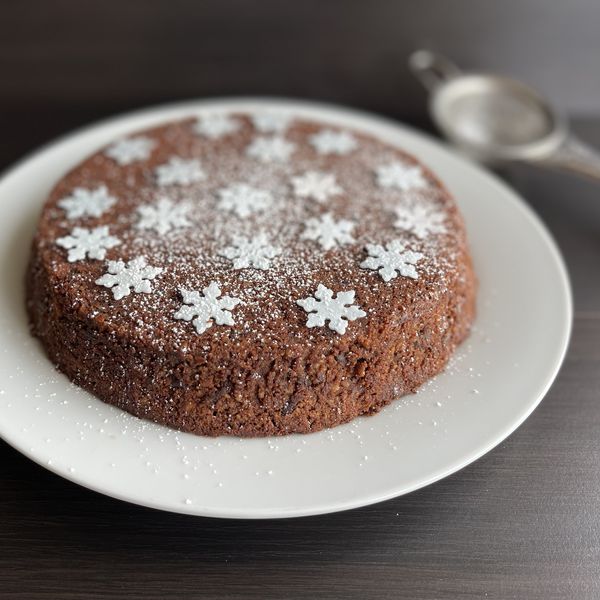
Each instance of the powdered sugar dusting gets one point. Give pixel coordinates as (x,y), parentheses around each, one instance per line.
(303,241)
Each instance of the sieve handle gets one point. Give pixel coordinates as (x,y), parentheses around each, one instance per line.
(575,156)
(431,68)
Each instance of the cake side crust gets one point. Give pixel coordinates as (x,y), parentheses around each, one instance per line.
(252,389)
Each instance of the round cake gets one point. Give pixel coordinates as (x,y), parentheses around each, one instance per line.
(250,274)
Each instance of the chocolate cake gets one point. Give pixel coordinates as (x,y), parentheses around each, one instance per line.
(250,274)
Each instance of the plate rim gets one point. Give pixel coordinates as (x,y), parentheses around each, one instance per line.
(233,102)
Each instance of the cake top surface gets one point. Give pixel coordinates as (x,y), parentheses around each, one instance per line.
(235,224)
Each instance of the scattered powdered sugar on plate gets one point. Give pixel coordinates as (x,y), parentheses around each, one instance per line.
(197,462)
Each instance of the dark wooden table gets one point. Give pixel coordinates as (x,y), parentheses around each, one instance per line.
(523,522)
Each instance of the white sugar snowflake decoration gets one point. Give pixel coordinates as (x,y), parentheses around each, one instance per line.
(316,184)
(275,149)
(329,141)
(90,243)
(129,150)
(244,200)
(179,171)
(391,260)
(328,232)
(420,220)
(203,310)
(256,252)
(400,176)
(87,203)
(123,277)
(271,121)
(216,125)
(324,307)
(163,216)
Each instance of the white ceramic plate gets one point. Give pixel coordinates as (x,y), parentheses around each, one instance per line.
(496,379)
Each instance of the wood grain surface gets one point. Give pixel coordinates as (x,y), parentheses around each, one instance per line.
(523,522)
